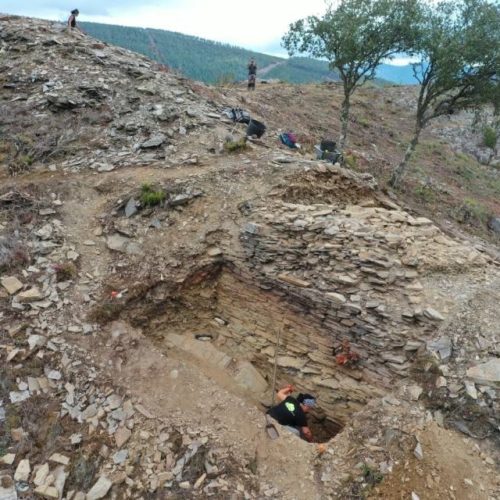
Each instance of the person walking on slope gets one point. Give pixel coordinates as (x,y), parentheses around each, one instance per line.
(252,74)
(72,19)
(292,412)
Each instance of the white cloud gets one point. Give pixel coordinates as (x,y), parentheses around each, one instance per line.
(402,60)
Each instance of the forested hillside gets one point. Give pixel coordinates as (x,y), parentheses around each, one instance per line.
(214,62)
(197,58)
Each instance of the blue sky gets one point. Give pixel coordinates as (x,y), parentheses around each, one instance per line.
(254,24)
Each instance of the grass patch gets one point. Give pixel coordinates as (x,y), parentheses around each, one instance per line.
(472,212)
(425,193)
(465,172)
(494,185)
(363,122)
(149,197)
(371,476)
(13,253)
(490,137)
(233,146)
(66,271)
(350,161)
(105,312)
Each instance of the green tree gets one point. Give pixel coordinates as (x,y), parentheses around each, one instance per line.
(458,46)
(354,37)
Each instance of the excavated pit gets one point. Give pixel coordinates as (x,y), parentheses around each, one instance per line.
(228,320)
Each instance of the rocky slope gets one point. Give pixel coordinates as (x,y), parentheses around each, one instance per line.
(146,273)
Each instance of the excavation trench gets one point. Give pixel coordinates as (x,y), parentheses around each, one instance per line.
(228,322)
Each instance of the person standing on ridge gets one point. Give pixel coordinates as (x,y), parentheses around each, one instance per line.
(252,74)
(72,19)
(291,412)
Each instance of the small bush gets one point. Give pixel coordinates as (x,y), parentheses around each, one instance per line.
(425,193)
(13,253)
(232,146)
(363,122)
(472,212)
(26,160)
(149,197)
(490,137)
(66,271)
(371,476)
(350,161)
(465,172)
(106,311)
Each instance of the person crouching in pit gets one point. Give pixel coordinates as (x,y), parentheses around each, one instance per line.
(292,412)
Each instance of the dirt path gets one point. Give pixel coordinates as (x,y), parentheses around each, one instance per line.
(266,69)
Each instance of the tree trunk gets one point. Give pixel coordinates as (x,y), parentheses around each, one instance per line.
(400,171)
(344,118)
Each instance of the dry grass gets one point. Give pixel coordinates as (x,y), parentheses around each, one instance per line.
(66,271)
(13,253)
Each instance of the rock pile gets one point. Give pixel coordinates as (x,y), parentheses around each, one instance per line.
(93,105)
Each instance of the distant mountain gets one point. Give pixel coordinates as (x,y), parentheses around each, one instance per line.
(402,75)
(214,62)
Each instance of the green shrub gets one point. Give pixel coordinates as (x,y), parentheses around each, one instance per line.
(371,476)
(490,137)
(350,161)
(363,122)
(425,193)
(471,211)
(149,197)
(465,172)
(26,160)
(232,146)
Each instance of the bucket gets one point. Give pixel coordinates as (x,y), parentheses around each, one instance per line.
(255,128)
(327,145)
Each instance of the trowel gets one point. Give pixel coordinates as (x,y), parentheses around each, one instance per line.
(271,430)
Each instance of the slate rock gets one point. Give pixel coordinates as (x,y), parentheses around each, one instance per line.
(415,392)
(248,377)
(131,207)
(487,373)
(122,435)
(433,314)
(180,199)
(154,142)
(31,295)
(121,244)
(120,456)
(104,167)
(441,346)
(100,489)
(494,224)
(45,491)
(23,470)
(11,284)
(41,475)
